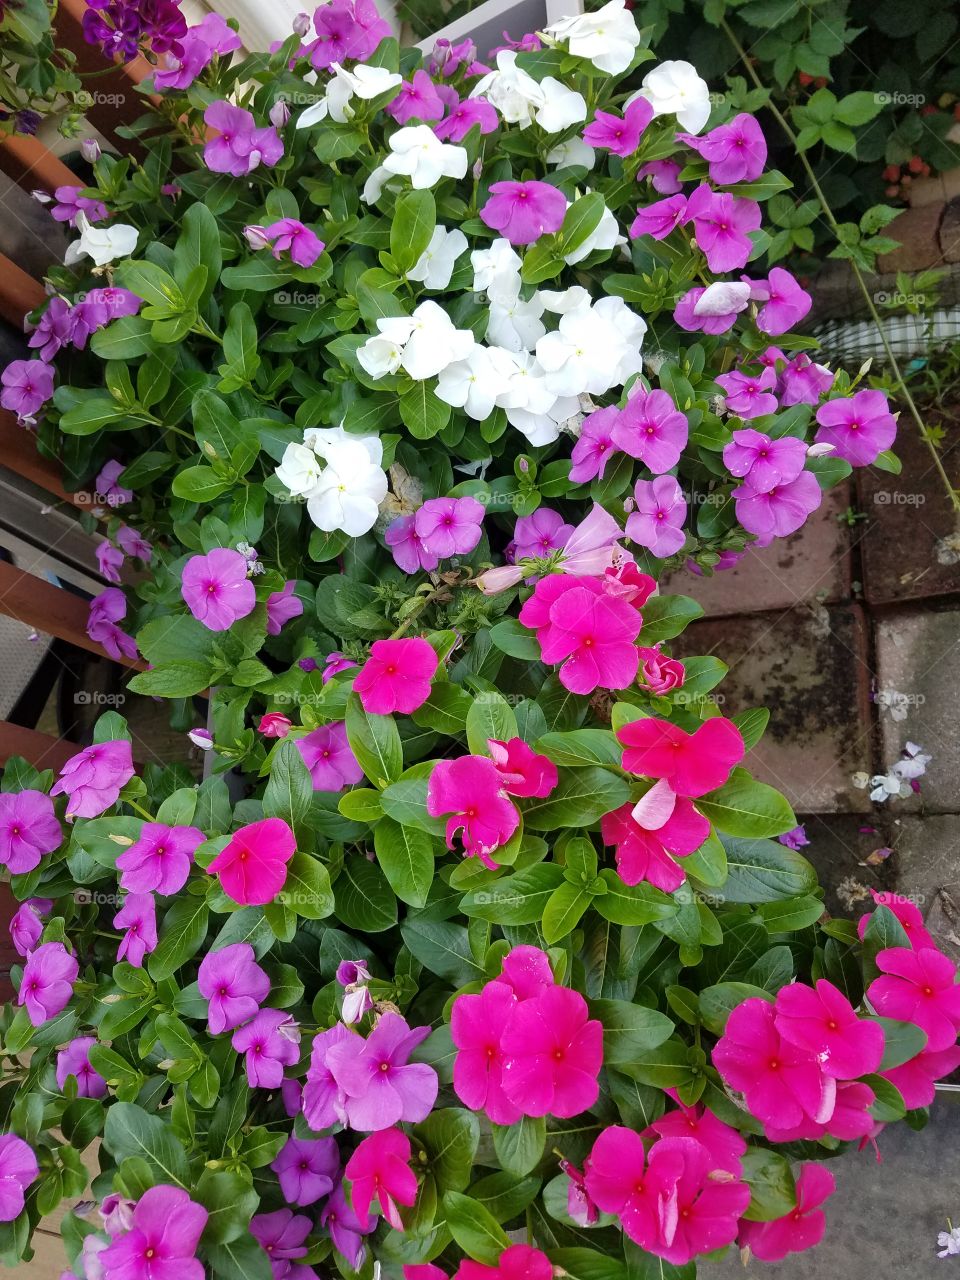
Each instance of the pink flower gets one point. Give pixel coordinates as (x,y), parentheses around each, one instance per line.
(324,1102)
(518,1262)
(134,544)
(692,763)
(736,151)
(724,1145)
(803,382)
(54,330)
(417,99)
(616,134)
(522,771)
(586,629)
(346,1233)
(94,778)
(449,526)
(197,50)
(68,202)
(396,676)
(73,1060)
(334,663)
(536,537)
(216,588)
(29,829)
(274,725)
(109,490)
(620,1180)
(233,984)
(380,1169)
(462,116)
(784,302)
(659,515)
(477,1025)
(627,582)
(553,1052)
(593,547)
(472,791)
(595,446)
(764,463)
(860,428)
(162,1243)
(281,1235)
(306,1169)
(138,917)
(703,1214)
(821,1020)
(919,987)
(851,1118)
(692,320)
(721,224)
(780,510)
(526,971)
(329,757)
(160,860)
(660,674)
(289,235)
(750,395)
(646,854)
(915,1079)
(380,1087)
(663,175)
(659,219)
(909,916)
(240,146)
(109,561)
(650,427)
(524,211)
(253,866)
(801,1228)
(271,1041)
(406,545)
(282,607)
(18,1168)
(27,386)
(47,982)
(26,926)
(346,29)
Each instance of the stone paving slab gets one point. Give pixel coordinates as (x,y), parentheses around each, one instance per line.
(918,657)
(809,667)
(840,846)
(926,867)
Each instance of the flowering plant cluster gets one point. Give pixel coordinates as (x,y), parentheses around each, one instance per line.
(474,952)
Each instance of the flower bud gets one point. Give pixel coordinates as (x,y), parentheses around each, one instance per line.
(90,150)
(280,113)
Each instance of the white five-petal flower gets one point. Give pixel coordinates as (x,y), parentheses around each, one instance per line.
(607,38)
(102,244)
(674,88)
(435,265)
(418,154)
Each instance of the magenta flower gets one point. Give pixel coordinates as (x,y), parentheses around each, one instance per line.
(253,866)
(658,518)
(651,427)
(281,1235)
(47,982)
(517,1262)
(329,757)
(663,174)
(859,428)
(821,1020)
(29,829)
(524,211)
(621,1180)
(18,1168)
(109,561)
(477,1024)
(27,386)
(282,607)
(803,382)
(850,1119)
(270,1041)
(707,1210)
(523,772)
(334,663)
(595,445)
(108,487)
(536,537)
(736,151)
(289,235)
(160,860)
(233,984)
(26,926)
(449,526)
(784,302)
(406,546)
(73,1060)
(346,1232)
(346,29)
(690,763)
(306,1169)
(162,1243)
(553,1052)
(381,1088)
(134,544)
(660,674)
(138,916)
(240,146)
(920,987)
(324,1102)
(274,725)
(416,99)
(800,1229)
(908,915)
(687,316)
(589,631)
(198,48)
(780,510)
(761,462)
(99,308)
(724,1145)
(621,135)
(396,676)
(68,202)
(750,395)
(660,218)
(380,1169)
(470,789)
(216,589)
(721,225)
(650,854)
(915,1079)
(795,838)
(463,115)
(94,778)
(54,329)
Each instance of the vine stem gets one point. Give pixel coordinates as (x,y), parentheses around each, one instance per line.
(858,274)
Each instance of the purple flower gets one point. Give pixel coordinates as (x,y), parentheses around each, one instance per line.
(651,427)
(795,838)
(446,58)
(240,146)
(449,526)
(803,382)
(216,588)
(94,777)
(109,490)
(26,927)
(47,982)
(291,1093)
(74,1060)
(281,1235)
(289,235)
(334,662)
(761,462)
(54,330)
(344,1227)
(595,446)
(138,916)
(779,511)
(660,218)
(353,976)
(462,116)
(329,757)
(306,1169)
(721,223)
(160,860)
(749,395)
(99,308)
(524,211)
(687,317)
(110,561)
(105,632)
(233,984)
(271,1041)
(417,99)
(27,386)
(282,606)
(346,29)
(162,1243)
(859,428)
(28,829)
(784,302)
(735,152)
(116,1214)
(380,1086)
(18,1168)
(324,1102)
(621,135)
(663,175)
(134,544)
(69,202)
(197,50)
(657,521)
(536,537)
(406,546)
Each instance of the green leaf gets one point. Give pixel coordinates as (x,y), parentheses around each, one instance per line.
(666,616)
(562,914)
(181,936)
(752,725)
(375,741)
(289,790)
(443,948)
(422,413)
(406,855)
(581,747)
(199,484)
(172,680)
(240,1259)
(580,798)
(763,871)
(747,808)
(517,899)
(519,1146)
(450,1137)
(587,1264)
(858,108)
(716,1002)
(637,904)
(901,1042)
(517,641)
(364,899)
(412,226)
(132,1132)
(490,717)
(445,710)
(792,914)
(474,1228)
(198,245)
(629,1030)
(230,1202)
(307,888)
(580,221)
(150,282)
(773,1192)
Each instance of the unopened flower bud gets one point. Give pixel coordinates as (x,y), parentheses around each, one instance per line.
(280,113)
(301,25)
(90,150)
(256,237)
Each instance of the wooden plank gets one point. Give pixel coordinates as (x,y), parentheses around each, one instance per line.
(40,749)
(19,293)
(18,453)
(115,101)
(31,165)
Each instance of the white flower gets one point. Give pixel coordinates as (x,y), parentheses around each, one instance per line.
(631,328)
(475,383)
(574,151)
(495,269)
(593,348)
(102,244)
(299,469)
(515,324)
(560,302)
(949,1242)
(886,785)
(418,154)
(605,235)
(361,81)
(607,38)
(674,88)
(313,114)
(435,265)
(380,356)
(326,440)
(561,107)
(722,298)
(201,738)
(422,344)
(514,93)
(351,487)
(373,187)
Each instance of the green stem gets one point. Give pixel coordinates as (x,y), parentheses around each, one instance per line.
(144,813)
(858,274)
